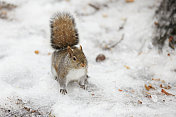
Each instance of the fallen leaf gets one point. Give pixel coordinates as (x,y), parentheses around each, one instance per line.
(168,87)
(139,102)
(129,0)
(120,90)
(33,111)
(148,93)
(27,109)
(148,96)
(127,67)
(151,87)
(147,88)
(163,91)
(132,91)
(165,87)
(161,86)
(156,79)
(36,52)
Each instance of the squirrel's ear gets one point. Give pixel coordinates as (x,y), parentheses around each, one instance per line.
(70,51)
(80,47)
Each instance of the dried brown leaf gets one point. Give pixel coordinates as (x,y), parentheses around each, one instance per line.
(129,0)
(120,90)
(151,87)
(147,88)
(163,91)
(127,67)
(156,79)
(36,52)
(139,102)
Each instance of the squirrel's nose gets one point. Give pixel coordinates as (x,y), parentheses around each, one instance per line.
(82,64)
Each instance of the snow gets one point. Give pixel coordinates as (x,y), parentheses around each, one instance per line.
(116,85)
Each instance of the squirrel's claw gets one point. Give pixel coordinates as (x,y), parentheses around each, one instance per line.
(63,91)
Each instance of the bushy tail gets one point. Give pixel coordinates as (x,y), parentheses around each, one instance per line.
(63,31)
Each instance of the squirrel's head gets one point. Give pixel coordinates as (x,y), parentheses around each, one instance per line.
(77,57)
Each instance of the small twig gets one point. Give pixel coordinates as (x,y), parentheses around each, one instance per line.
(8,6)
(118,41)
(114,45)
(94,6)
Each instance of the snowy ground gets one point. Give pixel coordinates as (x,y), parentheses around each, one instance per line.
(116,85)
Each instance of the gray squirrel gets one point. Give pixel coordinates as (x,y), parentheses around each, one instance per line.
(68,61)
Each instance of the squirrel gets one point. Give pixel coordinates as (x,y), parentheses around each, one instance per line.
(68,61)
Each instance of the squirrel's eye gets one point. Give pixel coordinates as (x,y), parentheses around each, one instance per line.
(74,58)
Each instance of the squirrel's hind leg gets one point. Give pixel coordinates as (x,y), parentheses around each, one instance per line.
(63,85)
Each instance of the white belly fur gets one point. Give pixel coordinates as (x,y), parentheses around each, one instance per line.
(75,74)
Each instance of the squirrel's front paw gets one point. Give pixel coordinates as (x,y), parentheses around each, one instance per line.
(63,91)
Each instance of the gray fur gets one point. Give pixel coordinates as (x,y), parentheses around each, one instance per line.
(62,64)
